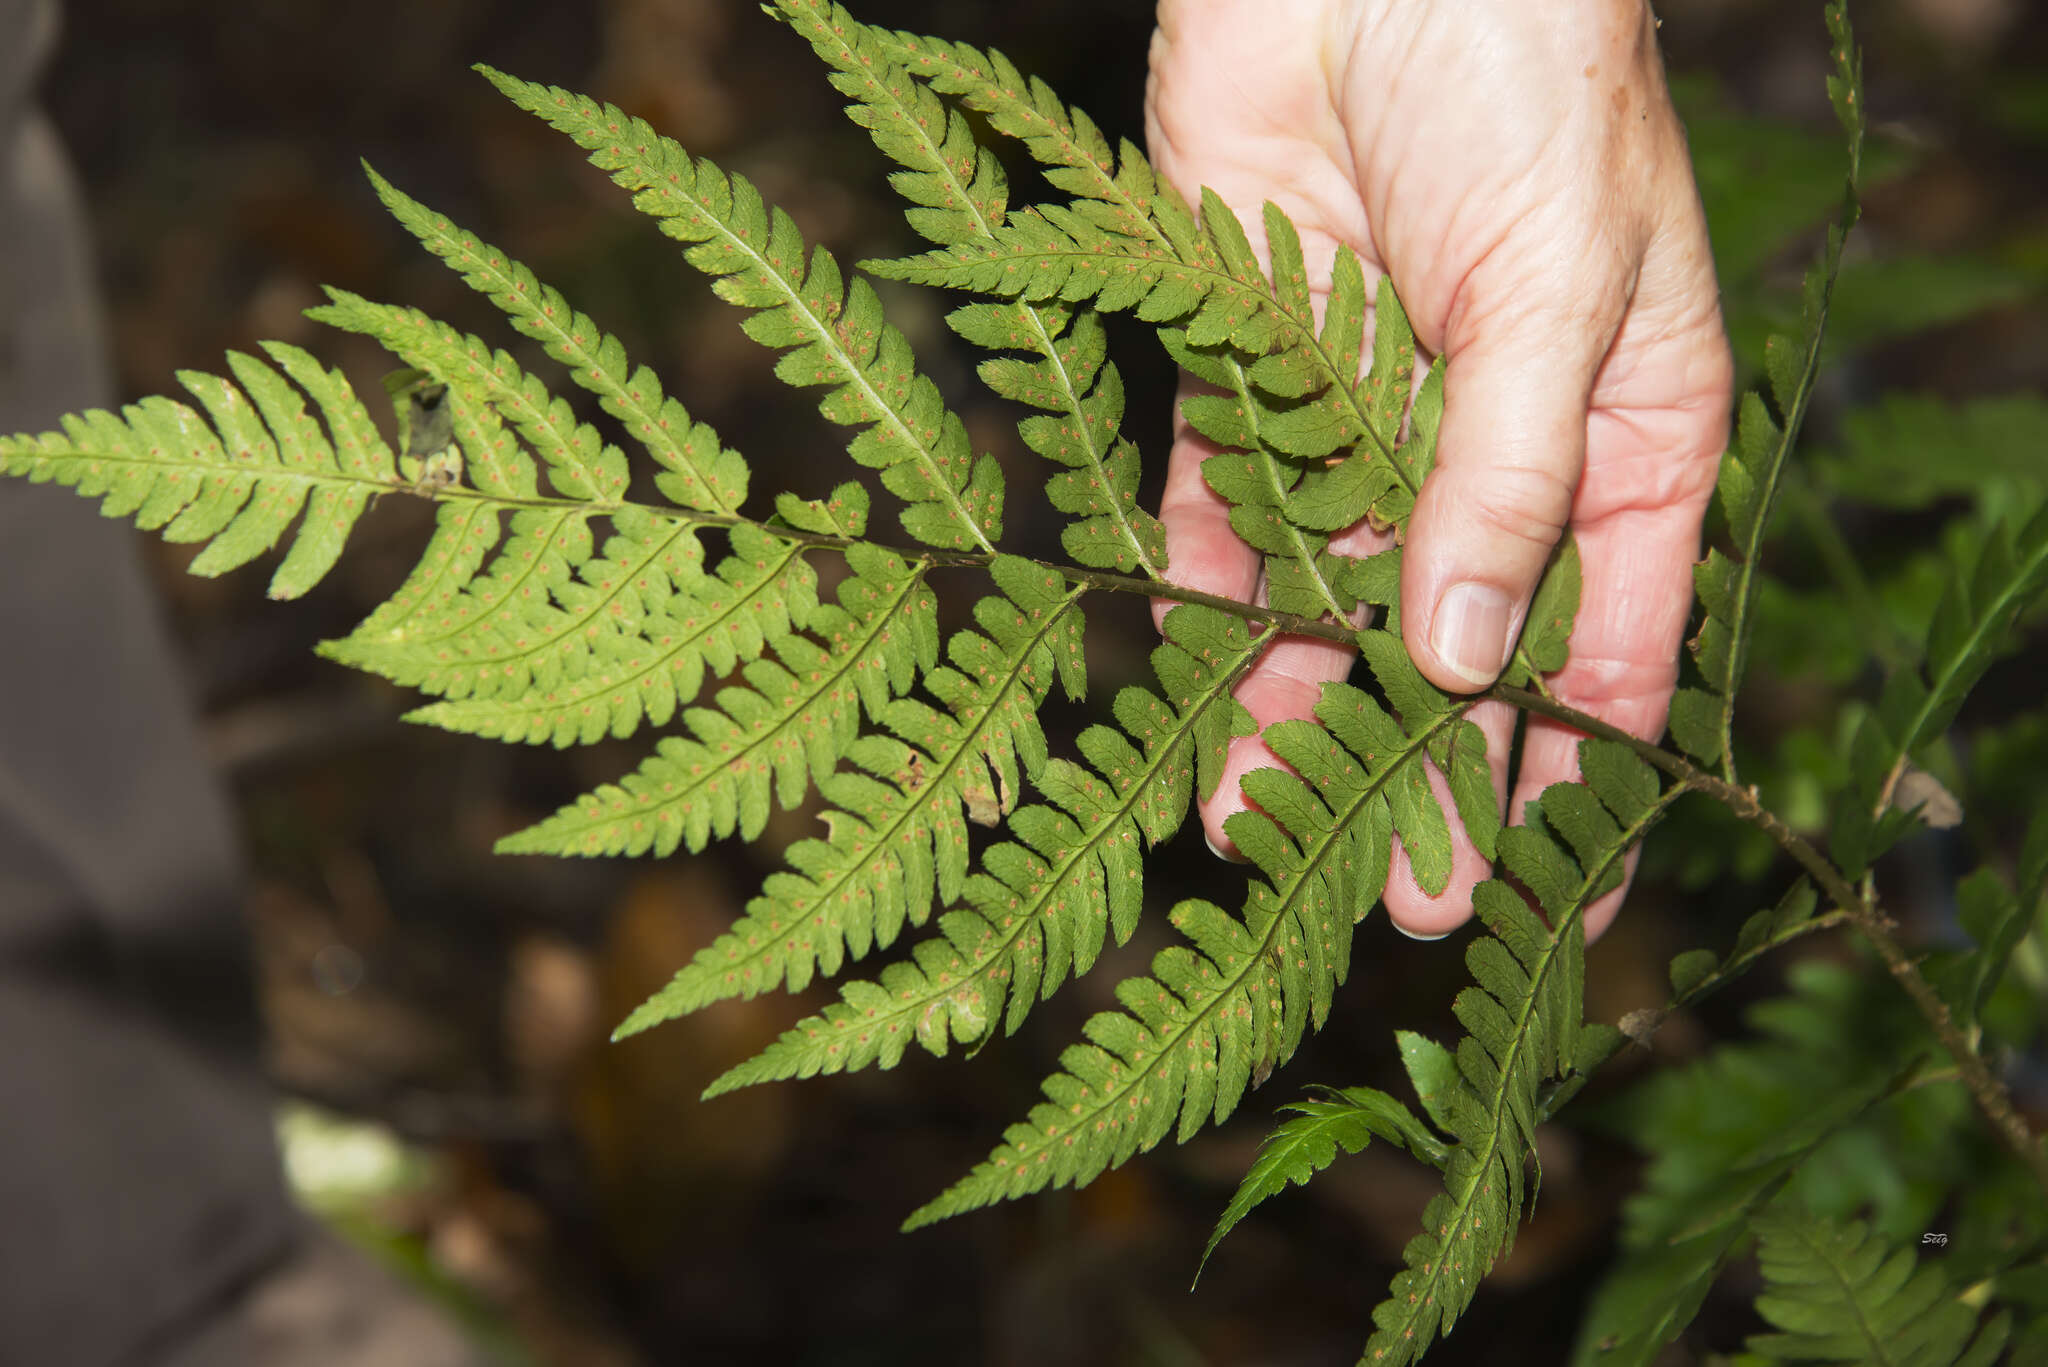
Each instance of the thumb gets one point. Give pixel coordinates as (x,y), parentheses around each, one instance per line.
(1509,455)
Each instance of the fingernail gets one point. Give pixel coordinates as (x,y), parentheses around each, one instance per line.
(1215,850)
(1470,634)
(1412,935)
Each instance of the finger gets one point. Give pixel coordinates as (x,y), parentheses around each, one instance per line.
(1283,686)
(1508,460)
(1637,555)
(1202,551)
(1422,915)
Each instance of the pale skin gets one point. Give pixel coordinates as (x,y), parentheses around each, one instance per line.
(1518,171)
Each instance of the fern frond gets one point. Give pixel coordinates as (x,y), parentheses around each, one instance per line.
(1524,1014)
(551,642)
(1728,1132)
(1117,188)
(1038,910)
(1987,591)
(957,194)
(234,478)
(1219,1016)
(1841,1295)
(895,830)
(831,334)
(1073,378)
(1300,1148)
(549,626)
(1702,720)
(696,469)
(799,707)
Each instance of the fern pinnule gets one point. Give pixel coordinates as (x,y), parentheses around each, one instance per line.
(896,823)
(234,478)
(1297,1149)
(1839,1294)
(1524,1014)
(624,641)
(757,746)
(1117,187)
(697,471)
(830,333)
(1039,908)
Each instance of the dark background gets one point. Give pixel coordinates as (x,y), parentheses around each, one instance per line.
(585,1198)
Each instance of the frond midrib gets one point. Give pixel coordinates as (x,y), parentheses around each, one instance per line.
(1418,1302)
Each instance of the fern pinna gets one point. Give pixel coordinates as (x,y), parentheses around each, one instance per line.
(553,606)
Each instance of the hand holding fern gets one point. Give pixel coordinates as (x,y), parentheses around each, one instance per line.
(1521,176)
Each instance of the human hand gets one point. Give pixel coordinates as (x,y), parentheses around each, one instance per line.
(1518,170)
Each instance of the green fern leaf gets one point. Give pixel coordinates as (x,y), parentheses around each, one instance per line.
(234,478)
(1255,481)
(957,194)
(697,472)
(1840,1295)
(1726,1134)
(1216,299)
(1300,1148)
(1217,1017)
(1039,908)
(760,746)
(832,334)
(515,671)
(1073,378)
(1752,472)
(1996,918)
(1995,582)
(551,643)
(896,835)
(1524,1014)
(1118,191)
(955,188)
(688,794)
(862,649)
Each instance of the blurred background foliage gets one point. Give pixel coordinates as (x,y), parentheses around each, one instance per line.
(575,1194)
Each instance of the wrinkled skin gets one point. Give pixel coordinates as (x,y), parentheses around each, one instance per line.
(1519,172)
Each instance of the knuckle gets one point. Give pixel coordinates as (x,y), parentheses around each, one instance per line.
(1525,503)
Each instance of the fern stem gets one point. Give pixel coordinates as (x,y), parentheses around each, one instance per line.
(1859,910)
(1292,624)
(1640,1026)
